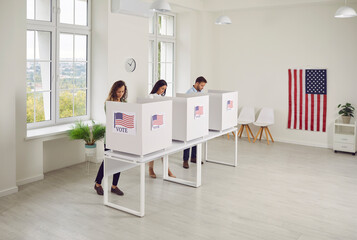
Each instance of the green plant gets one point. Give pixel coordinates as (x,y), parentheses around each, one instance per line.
(346,110)
(89,134)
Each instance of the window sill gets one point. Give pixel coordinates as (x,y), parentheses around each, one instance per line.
(52,131)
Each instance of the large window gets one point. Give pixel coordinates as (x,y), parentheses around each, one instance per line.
(58,36)
(162,51)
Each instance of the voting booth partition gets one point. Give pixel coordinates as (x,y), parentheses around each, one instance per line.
(139,128)
(190,113)
(223,109)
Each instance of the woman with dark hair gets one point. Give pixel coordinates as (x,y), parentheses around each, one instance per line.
(117,93)
(159,90)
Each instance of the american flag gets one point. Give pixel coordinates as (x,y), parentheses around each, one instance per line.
(157,120)
(229,104)
(307,99)
(124,120)
(198,110)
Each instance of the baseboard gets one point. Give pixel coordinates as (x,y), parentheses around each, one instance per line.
(29,180)
(309,144)
(304,143)
(8,191)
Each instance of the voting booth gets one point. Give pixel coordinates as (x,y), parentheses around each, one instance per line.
(223,109)
(190,114)
(138,128)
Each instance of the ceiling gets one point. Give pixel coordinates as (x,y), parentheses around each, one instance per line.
(219,5)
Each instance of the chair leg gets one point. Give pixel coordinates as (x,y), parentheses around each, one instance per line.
(266,134)
(250,131)
(241,131)
(246,128)
(228,136)
(255,139)
(261,133)
(234,134)
(270,135)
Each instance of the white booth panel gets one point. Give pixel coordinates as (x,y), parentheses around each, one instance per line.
(131,127)
(223,109)
(190,116)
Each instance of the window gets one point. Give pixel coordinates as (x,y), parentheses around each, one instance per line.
(162,51)
(57,61)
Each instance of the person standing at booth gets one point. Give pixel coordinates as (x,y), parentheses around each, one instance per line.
(117,93)
(198,87)
(159,90)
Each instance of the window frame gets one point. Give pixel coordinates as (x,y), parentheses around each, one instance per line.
(156,38)
(55,27)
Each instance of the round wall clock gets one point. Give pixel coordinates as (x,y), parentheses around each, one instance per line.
(130,65)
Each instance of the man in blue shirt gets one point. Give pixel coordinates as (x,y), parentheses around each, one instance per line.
(198,87)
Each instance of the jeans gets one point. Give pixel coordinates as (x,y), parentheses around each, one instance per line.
(186,153)
(100,174)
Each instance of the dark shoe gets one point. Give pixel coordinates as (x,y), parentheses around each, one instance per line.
(117,191)
(193,160)
(99,189)
(185,164)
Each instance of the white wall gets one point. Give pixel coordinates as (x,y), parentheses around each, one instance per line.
(9,76)
(253,56)
(193,49)
(115,38)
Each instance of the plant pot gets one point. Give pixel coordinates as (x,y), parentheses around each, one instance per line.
(91,152)
(346,119)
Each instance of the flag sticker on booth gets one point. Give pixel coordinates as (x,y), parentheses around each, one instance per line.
(124,123)
(157,121)
(229,104)
(198,111)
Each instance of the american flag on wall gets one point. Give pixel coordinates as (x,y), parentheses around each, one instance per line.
(157,120)
(307,99)
(124,120)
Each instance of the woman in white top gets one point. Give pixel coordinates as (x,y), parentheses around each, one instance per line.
(159,90)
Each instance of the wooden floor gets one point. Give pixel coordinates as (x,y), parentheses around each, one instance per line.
(280,191)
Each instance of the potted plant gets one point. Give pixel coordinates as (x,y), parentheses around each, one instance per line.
(89,134)
(346,112)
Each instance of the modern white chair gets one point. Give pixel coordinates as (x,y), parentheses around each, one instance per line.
(246,117)
(265,119)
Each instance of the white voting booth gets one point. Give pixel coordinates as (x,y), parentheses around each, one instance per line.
(223,109)
(190,116)
(139,128)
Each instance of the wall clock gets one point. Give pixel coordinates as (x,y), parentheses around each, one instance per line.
(130,65)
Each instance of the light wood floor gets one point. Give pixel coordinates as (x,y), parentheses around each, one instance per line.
(280,191)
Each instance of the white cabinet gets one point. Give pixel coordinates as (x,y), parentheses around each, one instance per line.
(344,136)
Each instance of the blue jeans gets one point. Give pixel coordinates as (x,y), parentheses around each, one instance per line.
(186,153)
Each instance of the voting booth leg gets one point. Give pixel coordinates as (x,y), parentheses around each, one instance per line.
(224,163)
(165,167)
(196,183)
(139,213)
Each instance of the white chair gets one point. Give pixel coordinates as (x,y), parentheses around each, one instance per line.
(265,119)
(246,117)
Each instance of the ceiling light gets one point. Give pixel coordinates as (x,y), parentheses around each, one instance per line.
(345,12)
(160,6)
(222,20)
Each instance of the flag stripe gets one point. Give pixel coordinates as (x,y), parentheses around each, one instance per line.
(318,113)
(289,118)
(306,111)
(300,109)
(312,112)
(324,114)
(295,97)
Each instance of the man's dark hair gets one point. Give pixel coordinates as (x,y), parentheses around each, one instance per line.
(201,79)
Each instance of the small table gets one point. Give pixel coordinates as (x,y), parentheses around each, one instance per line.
(118,162)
